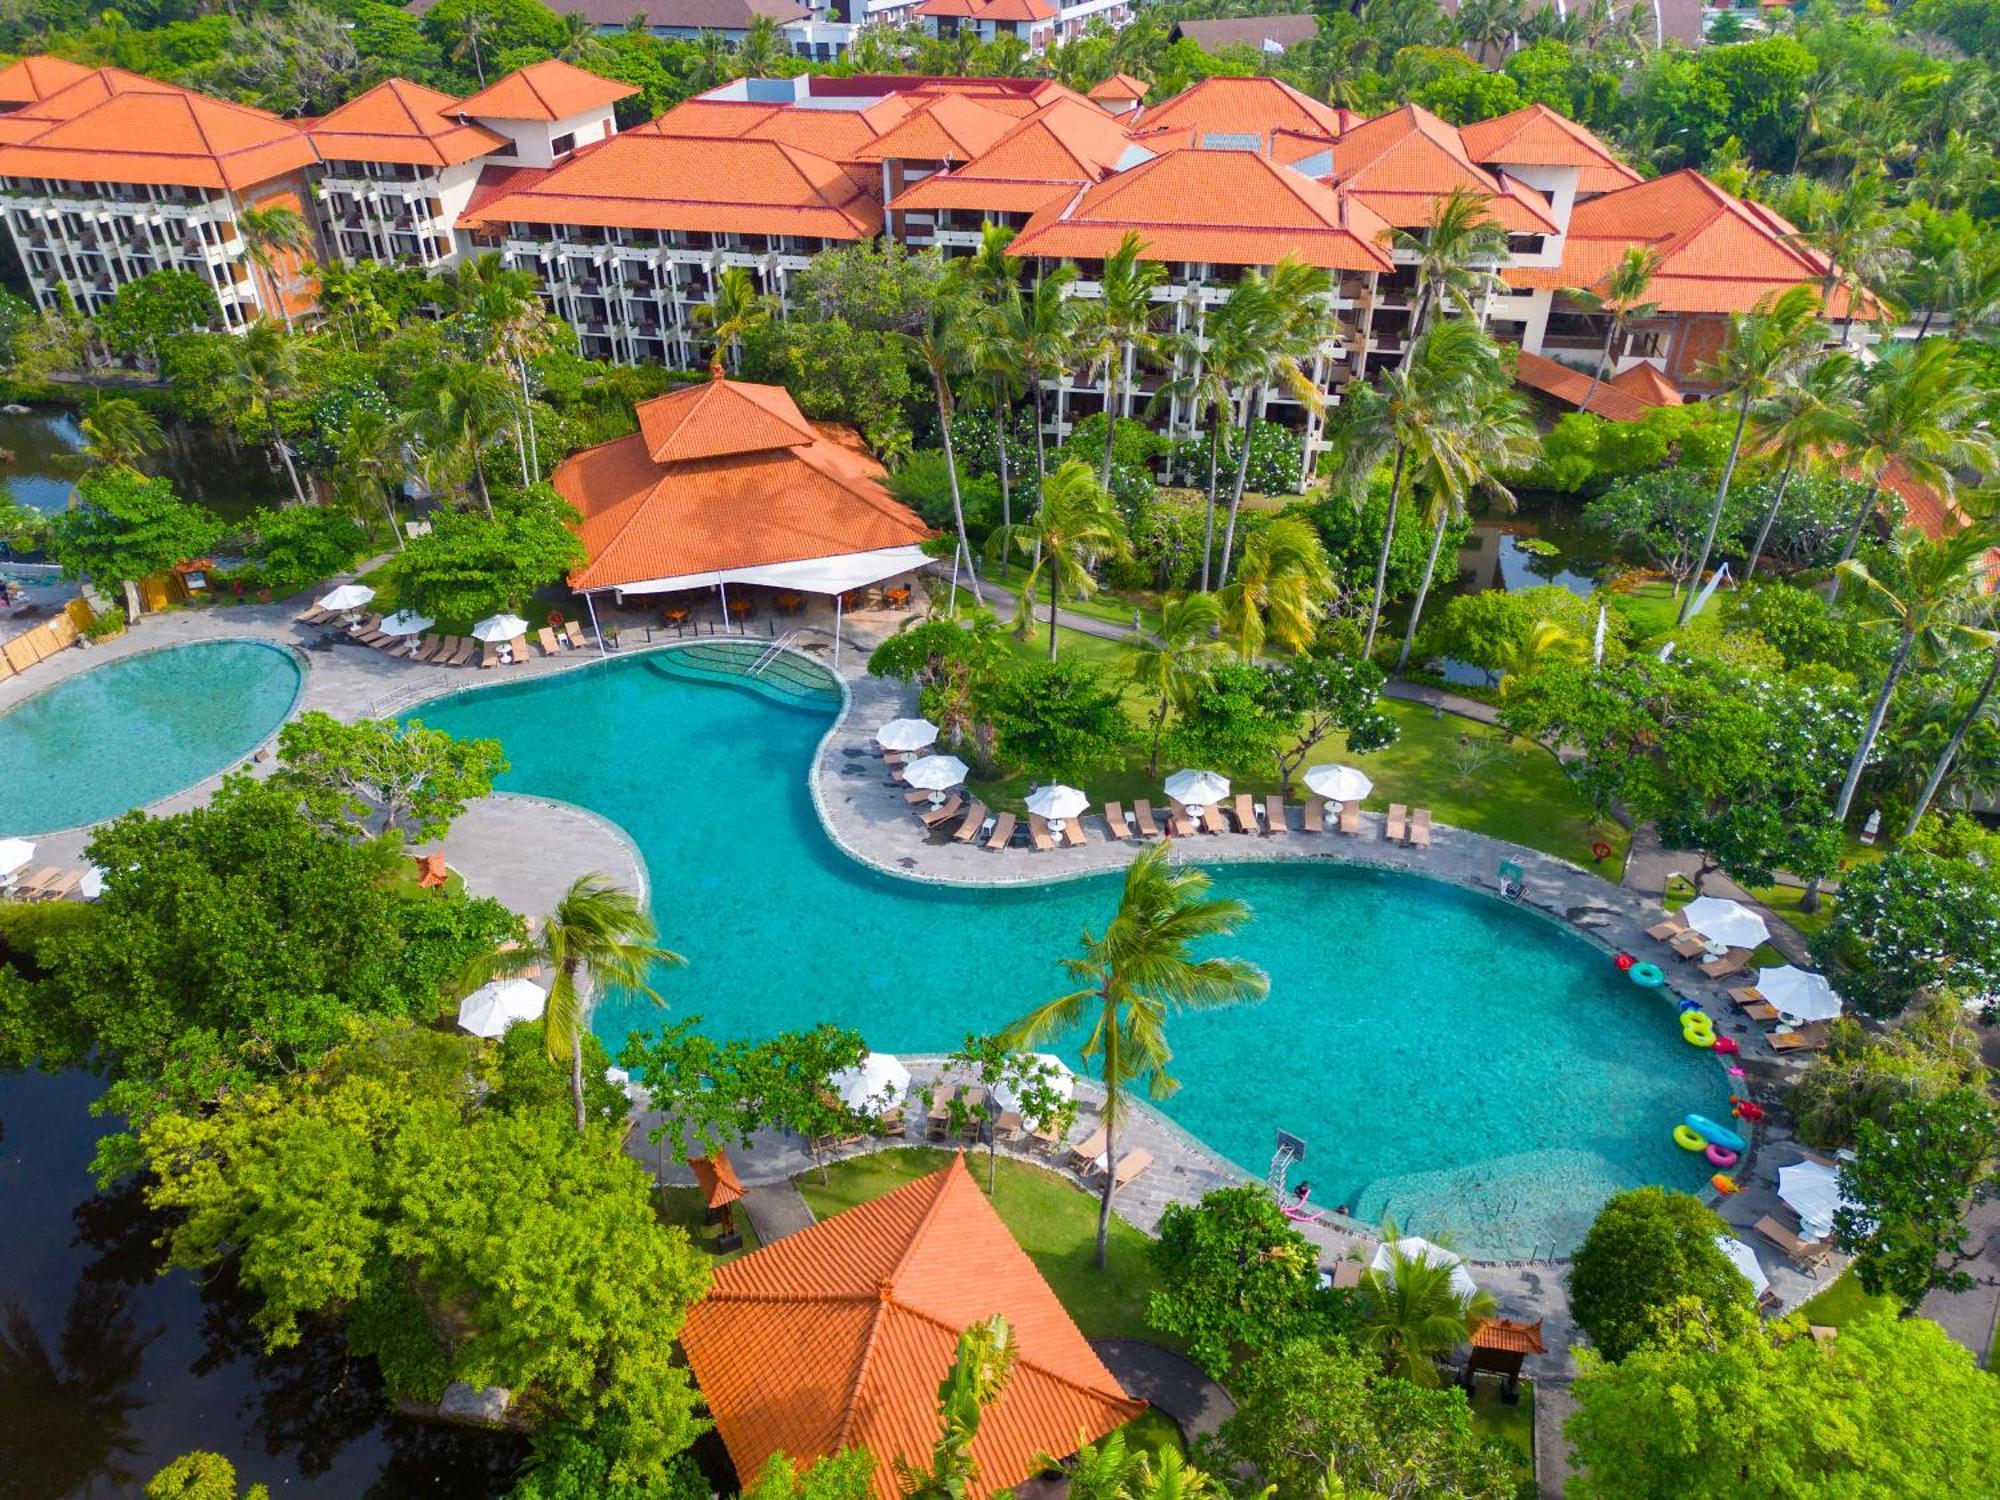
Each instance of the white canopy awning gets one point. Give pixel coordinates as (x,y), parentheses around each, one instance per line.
(811,575)
(1745,1260)
(1414,1248)
(875,1086)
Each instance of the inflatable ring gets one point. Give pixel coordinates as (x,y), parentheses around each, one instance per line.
(1600,850)
(1720,1156)
(1625,962)
(1696,1029)
(1745,1110)
(1647,976)
(1726,1045)
(1724,1184)
(1684,1006)
(1689,1140)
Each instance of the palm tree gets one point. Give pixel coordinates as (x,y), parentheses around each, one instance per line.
(1941,767)
(1620,299)
(1136,974)
(1853,229)
(1469,451)
(1488,28)
(268,232)
(1455,257)
(940,344)
(1046,333)
(1172,664)
(118,432)
(372,464)
(1216,363)
(1763,347)
(597,941)
(1815,411)
(1293,329)
(978,1373)
(1074,528)
(1281,591)
(266,368)
(735,310)
(1545,640)
(1412,1315)
(512,325)
(1119,329)
(458,411)
(1924,412)
(993,349)
(475,25)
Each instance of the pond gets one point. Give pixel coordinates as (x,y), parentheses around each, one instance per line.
(1541,542)
(231,480)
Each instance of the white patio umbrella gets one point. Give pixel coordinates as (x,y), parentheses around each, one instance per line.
(14,853)
(1798,994)
(92,884)
(1723,921)
(1745,1260)
(907,734)
(1339,783)
(1812,1191)
(936,774)
(1414,1247)
(500,628)
(1197,788)
(1058,1078)
(875,1085)
(407,622)
(1057,803)
(347,596)
(492,1008)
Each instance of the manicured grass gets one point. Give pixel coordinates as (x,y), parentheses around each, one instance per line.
(1512,1425)
(1845,1302)
(1153,1431)
(1054,1221)
(1784,900)
(683,1206)
(1652,607)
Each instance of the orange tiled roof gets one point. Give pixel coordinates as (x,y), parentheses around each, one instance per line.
(838,1337)
(1718,254)
(548,90)
(640,181)
(1245,105)
(114,126)
(1225,207)
(1120,87)
(1049,154)
(716,1177)
(1401,162)
(1569,386)
(1539,137)
(1649,384)
(35,78)
(948,128)
(400,121)
(1509,1335)
(748,482)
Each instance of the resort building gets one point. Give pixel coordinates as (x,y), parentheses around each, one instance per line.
(726,483)
(838,1337)
(1271,35)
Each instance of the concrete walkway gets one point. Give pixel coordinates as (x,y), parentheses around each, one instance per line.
(1177,1386)
(775,1209)
(1970,1317)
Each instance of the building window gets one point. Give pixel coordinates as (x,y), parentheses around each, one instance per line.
(563,144)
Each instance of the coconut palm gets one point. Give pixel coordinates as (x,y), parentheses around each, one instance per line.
(1619,297)
(266,371)
(597,941)
(1075,527)
(1488,28)
(118,432)
(1852,228)
(1924,413)
(1814,412)
(372,464)
(1412,1316)
(1466,451)
(1762,348)
(1543,641)
(1281,591)
(1173,663)
(1137,974)
(458,411)
(1044,327)
(940,345)
(978,1373)
(1218,363)
(1941,767)
(268,232)
(736,309)
(1456,255)
(474,25)
(993,348)
(503,310)
(1118,329)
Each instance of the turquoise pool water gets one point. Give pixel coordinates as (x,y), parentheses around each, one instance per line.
(1464,1065)
(128,733)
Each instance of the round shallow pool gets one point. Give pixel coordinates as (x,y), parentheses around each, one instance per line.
(1467,1067)
(138,729)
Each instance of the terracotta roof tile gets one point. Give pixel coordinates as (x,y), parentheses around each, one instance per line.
(1509,1335)
(549,90)
(1400,163)
(716,1177)
(36,78)
(1244,105)
(949,128)
(1539,137)
(838,1336)
(1569,387)
(1120,87)
(1258,33)
(400,121)
(1051,153)
(720,418)
(1649,384)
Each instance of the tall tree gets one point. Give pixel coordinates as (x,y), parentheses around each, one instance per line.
(269,232)
(1174,662)
(1075,528)
(1619,297)
(1412,1315)
(1941,767)
(997,353)
(1215,362)
(266,371)
(118,432)
(458,410)
(1457,254)
(1136,974)
(372,464)
(1118,329)
(1852,227)
(940,344)
(1281,591)
(1762,347)
(1815,412)
(736,308)
(1044,326)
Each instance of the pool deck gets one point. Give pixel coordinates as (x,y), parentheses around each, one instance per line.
(867,817)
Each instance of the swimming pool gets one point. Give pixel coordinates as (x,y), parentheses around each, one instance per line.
(1469,1067)
(138,729)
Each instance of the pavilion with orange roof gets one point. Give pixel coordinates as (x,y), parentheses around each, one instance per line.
(838,1336)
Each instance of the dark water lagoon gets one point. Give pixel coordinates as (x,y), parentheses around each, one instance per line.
(231,480)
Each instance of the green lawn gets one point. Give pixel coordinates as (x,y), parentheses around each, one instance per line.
(1054,1220)
(1784,900)
(1153,1431)
(1652,607)
(683,1206)
(1844,1302)
(1512,1425)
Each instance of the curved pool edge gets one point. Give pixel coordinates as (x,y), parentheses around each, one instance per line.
(298,658)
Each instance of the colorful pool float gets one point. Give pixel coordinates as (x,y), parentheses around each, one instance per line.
(1647,976)
(1720,1156)
(1696,1029)
(1724,1184)
(1727,1046)
(1706,1128)
(1689,1140)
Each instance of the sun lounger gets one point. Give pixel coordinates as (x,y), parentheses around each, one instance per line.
(938,1121)
(1800,1038)
(363,628)
(1345,1275)
(573,633)
(1038,832)
(462,657)
(975,819)
(944,812)
(1010,1127)
(1274,814)
(491,656)
(1073,833)
(519,646)
(1735,961)
(890,1122)
(1667,931)
(1420,828)
(447,648)
(1142,814)
(1130,1166)
(1213,820)
(1807,1255)
(1114,819)
(381,642)
(29,886)
(1689,945)
(62,887)
(1246,813)
(916,795)
(1315,815)
(315,616)
(1087,1150)
(430,648)
(1392,827)
(546,639)
(1003,831)
(1350,819)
